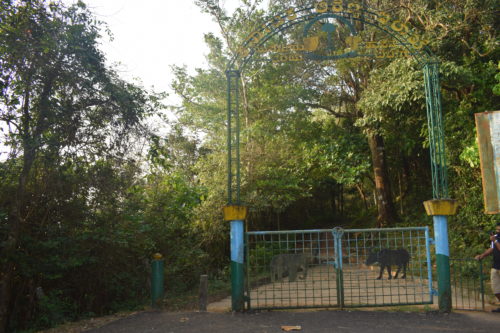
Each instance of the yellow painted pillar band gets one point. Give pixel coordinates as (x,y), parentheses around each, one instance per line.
(235,213)
(441,207)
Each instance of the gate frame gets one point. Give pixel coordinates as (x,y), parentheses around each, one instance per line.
(398,31)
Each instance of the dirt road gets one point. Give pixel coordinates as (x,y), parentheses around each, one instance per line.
(310,322)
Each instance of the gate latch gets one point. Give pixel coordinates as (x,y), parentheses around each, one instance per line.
(434,292)
(432,241)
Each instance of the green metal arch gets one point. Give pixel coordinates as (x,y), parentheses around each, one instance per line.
(305,14)
(423,56)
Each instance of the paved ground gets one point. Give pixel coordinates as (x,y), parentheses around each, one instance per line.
(361,287)
(319,289)
(310,321)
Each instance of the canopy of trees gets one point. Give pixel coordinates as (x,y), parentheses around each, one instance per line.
(88,191)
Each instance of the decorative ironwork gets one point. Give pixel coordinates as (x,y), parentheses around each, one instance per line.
(402,42)
(408,43)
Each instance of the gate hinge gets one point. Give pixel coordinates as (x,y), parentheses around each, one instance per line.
(434,292)
(432,241)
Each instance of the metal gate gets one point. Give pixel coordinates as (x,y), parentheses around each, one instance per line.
(328,268)
(468,287)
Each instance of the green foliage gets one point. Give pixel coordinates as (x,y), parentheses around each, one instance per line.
(496,87)
(54,309)
(78,219)
(86,210)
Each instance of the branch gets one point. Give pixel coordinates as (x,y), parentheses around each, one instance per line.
(10,121)
(475,49)
(187,99)
(329,110)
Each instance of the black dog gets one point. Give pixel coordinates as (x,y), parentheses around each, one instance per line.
(387,258)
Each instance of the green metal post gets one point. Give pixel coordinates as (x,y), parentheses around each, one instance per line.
(157,280)
(439,180)
(436,131)
(233,137)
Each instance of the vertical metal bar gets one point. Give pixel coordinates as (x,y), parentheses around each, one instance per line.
(233,136)
(248,267)
(430,124)
(338,259)
(429,267)
(482,283)
(464,286)
(237,144)
(453,271)
(229,143)
(337,239)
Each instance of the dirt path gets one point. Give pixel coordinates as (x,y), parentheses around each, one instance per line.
(311,321)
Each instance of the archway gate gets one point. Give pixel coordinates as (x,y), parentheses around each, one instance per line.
(318,23)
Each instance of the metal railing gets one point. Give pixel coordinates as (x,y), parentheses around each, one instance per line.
(468,284)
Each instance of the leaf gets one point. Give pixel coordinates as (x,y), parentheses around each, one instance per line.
(291,328)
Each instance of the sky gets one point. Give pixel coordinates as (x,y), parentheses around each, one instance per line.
(151,35)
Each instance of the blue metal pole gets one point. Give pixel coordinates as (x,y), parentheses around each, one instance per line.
(237,277)
(442,261)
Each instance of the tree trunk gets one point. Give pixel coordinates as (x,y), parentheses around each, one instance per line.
(362,195)
(386,211)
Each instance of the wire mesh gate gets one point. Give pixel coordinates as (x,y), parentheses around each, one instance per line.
(328,268)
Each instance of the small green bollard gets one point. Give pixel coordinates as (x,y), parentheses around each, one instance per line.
(157,290)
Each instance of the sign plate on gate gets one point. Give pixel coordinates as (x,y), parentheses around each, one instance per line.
(488,135)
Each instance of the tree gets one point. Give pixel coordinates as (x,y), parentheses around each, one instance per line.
(59,103)
(357,90)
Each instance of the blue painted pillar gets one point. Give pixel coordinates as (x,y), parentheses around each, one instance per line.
(237,272)
(442,261)
(440,209)
(236,214)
